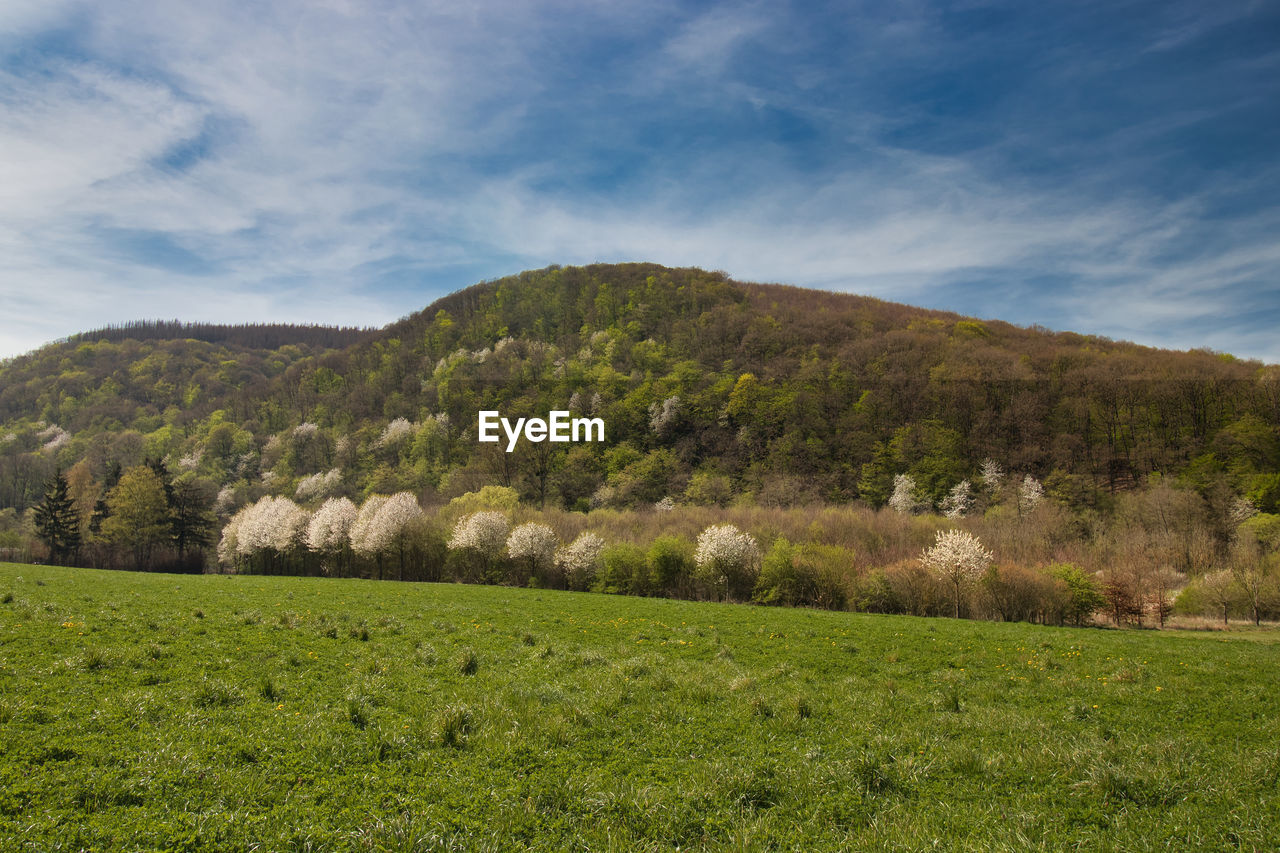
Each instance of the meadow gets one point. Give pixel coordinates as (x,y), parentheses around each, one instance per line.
(167,712)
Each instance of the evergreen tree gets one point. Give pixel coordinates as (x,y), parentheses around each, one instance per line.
(57,522)
(192,522)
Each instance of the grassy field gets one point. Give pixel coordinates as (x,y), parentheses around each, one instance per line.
(163,712)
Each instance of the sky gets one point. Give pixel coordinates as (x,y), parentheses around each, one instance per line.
(1111,168)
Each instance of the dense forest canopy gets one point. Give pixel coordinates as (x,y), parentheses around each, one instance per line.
(776,393)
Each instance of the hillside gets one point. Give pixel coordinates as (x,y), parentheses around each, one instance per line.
(772,393)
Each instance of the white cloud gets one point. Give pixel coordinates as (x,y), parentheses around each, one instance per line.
(329,143)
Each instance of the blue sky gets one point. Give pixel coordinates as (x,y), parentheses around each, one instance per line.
(1111,168)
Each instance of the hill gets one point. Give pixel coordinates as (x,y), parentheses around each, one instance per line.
(712,392)
(219,713)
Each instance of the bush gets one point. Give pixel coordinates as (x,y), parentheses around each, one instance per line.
(1079,594)
(670,565)
(780,581)
(622,570)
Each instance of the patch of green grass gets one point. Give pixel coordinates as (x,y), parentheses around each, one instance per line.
(320,714)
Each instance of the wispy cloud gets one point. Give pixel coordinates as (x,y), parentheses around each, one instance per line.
(349,162)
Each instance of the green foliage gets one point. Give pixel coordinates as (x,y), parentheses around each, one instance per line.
(497,498)
(670,564)
(779,582)
(623,569)
(139,514)
(1083,593)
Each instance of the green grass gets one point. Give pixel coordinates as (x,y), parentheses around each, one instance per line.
(162,712)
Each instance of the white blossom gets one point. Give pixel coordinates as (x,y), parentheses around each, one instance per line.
(727,545)
(904,498)
(991,473)
(1242,509)
(575,401)
(727,559)
(396,431)
(663,416)
(319,485)
(273,523)
(11,436)
(306,429)
(597,404)
(393,515)
(959,500)
(665,505)
(226,499)
(580,559)
(485,532)
(1030,494)
(229,545)
(53,437)
(363,524)
(602,496)
(330,526)
(533,542)
(956,556)
(191,461)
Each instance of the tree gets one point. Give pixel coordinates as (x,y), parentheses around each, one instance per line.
(273,528)
(1083,596)
(905,498)
(728,561)
(57,522)
(532,546)
(958,501)
(669,561)
(329,529)
(389,529)
(579,561)
(483,536)
(137,514)
(1221,590)
(1030,494)
(958,558)
(191,523)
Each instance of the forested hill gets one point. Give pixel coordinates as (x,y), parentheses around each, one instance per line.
(712,391)
(247,335)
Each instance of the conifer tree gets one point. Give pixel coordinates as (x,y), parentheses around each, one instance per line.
(57,522)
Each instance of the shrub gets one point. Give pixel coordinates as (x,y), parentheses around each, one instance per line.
(622,570)
(1079,593)
(728,561)
(780,582)
(669,564)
